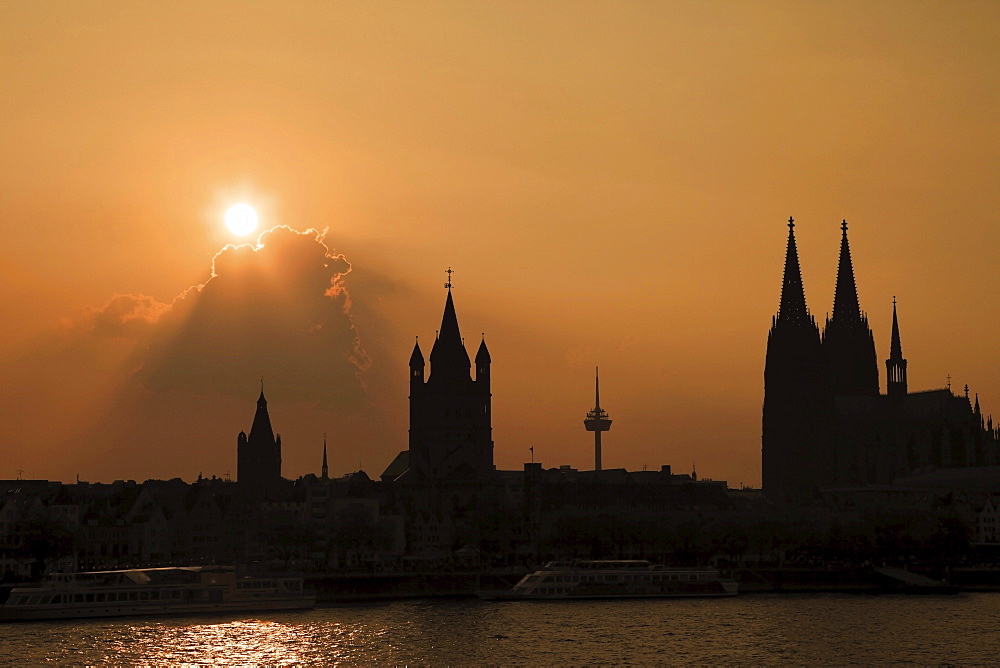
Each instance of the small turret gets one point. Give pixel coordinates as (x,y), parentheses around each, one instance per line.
(416,365)
(483,363)
(895,366)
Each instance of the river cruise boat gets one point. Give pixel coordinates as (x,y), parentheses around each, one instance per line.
(632,578)
(153,591)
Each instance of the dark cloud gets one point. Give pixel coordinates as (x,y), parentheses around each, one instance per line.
(127,316)
(278,309)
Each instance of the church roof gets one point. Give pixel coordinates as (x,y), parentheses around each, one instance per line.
(261,428)
(397,467)
(449,358)
(483,354)
(416,357)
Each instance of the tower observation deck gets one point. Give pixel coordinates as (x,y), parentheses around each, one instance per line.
(597,420)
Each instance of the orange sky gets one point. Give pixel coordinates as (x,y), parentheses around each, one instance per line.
(610,181)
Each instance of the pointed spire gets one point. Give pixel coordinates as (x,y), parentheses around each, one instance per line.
(417,357)
(976,410)
(483,354)
(845,300)
(449,322)
(326,469)
(793,297)
(261,428)
(895,347)
(449,353)
(895,366)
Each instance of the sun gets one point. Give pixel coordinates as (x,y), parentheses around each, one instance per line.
(241,219)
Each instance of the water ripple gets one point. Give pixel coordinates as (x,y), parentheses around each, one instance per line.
(768,629)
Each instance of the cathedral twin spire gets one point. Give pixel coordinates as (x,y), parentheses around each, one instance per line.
(848,346)
(845,297)
(793,297)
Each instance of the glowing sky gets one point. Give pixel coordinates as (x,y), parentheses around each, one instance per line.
(610,181)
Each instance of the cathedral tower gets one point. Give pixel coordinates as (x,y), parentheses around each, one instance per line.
(895,366)
(258,457)
(794,398)
(848,343)
(450,414)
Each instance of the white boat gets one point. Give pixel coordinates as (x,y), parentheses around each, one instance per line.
(153,591)
(624,578)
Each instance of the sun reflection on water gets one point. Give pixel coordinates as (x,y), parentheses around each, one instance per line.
(249,642)
(754,629)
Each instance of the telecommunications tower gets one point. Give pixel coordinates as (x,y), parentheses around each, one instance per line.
(597,420)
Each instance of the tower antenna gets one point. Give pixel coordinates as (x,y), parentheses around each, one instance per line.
(597,420)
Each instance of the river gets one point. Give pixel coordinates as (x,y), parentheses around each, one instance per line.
(751,629)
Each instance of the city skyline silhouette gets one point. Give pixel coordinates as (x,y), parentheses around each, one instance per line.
(608,184)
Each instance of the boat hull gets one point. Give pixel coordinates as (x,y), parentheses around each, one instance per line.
(508,596)
(25,613)
(614,579)
(192,590)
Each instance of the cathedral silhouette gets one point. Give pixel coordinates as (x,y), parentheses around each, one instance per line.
(825,424)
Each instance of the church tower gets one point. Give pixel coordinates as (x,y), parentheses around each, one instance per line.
(258,457)
(450,414)
(794,398)
(895,366)
(848,343)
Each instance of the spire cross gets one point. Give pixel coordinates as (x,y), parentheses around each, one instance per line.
(448,271)
(843,226)
(791,222)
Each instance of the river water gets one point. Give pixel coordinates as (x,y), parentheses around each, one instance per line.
(770,629)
